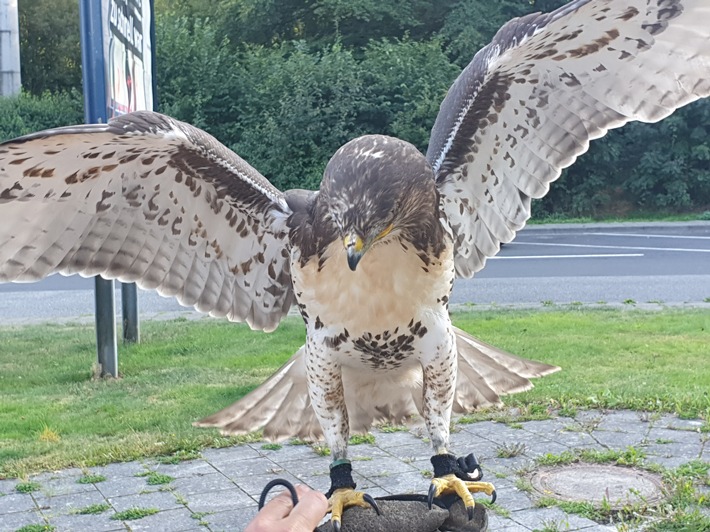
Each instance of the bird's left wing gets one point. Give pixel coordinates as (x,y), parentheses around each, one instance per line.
(149,199)
(530,102)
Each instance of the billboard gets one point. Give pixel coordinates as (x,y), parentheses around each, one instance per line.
(128,55)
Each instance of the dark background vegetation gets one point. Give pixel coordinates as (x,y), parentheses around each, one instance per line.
(286,82)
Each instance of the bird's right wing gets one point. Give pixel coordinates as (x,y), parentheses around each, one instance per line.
(530,102)
(149,199)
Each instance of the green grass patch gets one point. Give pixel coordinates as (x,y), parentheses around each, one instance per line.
(271,446)
(27,487)
(134,513)
(93,509)
(154,478)
(185,370)
(91,479)
(37,528)
(359,439)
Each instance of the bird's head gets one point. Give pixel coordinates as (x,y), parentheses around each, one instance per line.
(377,187)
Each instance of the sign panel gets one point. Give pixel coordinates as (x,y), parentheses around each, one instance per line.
(128,55)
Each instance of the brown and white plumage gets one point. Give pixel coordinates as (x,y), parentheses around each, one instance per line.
(531,101)
(150,199)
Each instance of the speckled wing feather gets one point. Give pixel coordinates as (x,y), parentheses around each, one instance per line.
(530,102)
(149,199)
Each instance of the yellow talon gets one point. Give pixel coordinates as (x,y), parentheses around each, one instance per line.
(463,488)
(346,498)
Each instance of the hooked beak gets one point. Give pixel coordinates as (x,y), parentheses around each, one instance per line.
(355,249)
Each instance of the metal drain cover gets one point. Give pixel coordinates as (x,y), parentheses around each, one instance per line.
(594,483)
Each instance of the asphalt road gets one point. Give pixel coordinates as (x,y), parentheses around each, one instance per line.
(593,263)
(656,263)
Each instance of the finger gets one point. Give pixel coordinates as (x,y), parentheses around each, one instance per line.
(278,507)
(310,509)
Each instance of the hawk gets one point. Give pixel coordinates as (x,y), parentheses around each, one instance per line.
(369,258)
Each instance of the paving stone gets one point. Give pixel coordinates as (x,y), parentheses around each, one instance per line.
(512,499)
(177,520)
(574,440)
(73,473)
(545,427)
(396,438)
(202,484)
(416,449)
(311,466)
(120,470)
(669,461)
(550,518)
(536,449)
(11,522)
(64,486)
(382,467)
(189,468)
(64,504)
(619,440)
(231,520)
(228,500)
(229,454)
(685,437)
(496,523)
(287,453)
(246,468)
(392,465)
(625,420)
(7,486)
(119,486)
(412,482)
(16,502)
(94,523)
(254,484)
(164,500)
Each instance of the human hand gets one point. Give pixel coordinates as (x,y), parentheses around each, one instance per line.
(279,514)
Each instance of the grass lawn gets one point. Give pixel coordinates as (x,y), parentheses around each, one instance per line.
(54,414)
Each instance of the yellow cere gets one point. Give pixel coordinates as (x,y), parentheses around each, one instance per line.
(353,241)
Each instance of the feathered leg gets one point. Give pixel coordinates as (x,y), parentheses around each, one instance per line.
(450,475)
(326,392)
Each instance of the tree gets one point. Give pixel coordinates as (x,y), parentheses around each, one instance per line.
(49,45)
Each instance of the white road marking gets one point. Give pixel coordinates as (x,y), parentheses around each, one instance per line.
(640,248)
(592,256)
(649,236)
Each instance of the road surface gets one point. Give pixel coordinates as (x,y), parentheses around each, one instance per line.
(554,264)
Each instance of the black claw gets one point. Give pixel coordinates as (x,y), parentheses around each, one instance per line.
(278,482)
(469,511)
(494,496)
(430,497)
(336,525)
(369,500)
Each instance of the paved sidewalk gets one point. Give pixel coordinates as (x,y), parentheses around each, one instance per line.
(218,491)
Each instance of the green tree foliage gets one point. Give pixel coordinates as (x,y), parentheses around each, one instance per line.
(49,45)
(286,82)
(27,113)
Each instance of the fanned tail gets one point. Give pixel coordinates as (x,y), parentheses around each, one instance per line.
(282,408)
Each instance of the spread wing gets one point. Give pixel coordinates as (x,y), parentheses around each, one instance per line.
(529,103)
(146,198)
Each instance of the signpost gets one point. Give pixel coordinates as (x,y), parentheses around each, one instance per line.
(117,62)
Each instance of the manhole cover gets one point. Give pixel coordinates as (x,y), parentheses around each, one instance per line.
(597,483)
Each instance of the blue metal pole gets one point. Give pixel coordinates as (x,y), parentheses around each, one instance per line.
(92,62)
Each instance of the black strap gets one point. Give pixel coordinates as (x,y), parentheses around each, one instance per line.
(341,476)
(465,467)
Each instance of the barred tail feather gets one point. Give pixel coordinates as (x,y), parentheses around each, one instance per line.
(281,405)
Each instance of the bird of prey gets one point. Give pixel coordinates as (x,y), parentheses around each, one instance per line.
(369,258)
